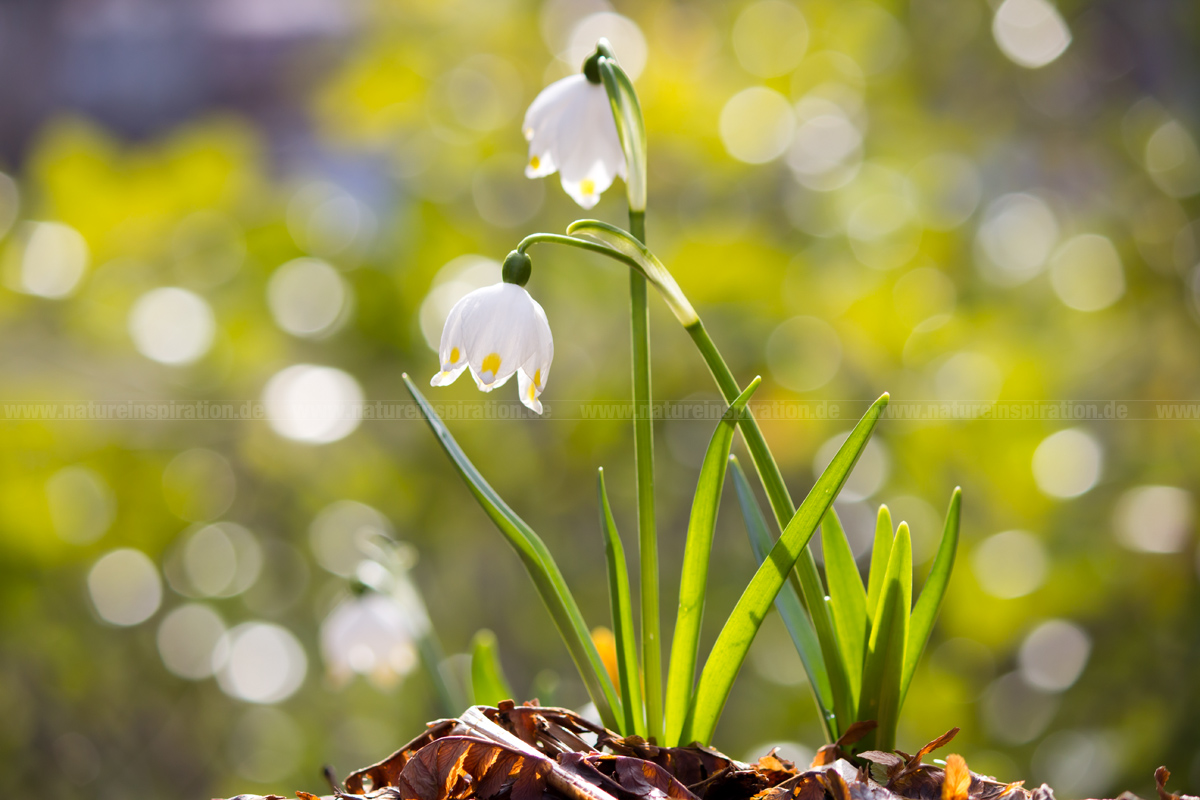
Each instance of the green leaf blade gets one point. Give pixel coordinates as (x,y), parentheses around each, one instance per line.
(885,651)
(733,643)
(693,579)
(621,606)
(488,683)
(542,569)
(925,612)
(787,603)
(880,550)
(848,602)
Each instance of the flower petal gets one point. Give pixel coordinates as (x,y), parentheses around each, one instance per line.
(549,103)
(446,377)
(541,161)
(528,392)
(497,332)
(593,139)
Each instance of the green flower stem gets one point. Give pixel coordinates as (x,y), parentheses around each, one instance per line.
(782,506)
(583,244)
(778,496)
(643,448)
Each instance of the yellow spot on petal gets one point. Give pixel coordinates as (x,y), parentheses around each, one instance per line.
(537,379)
(532,390)
(587,186)
(535,162)
(491,363)
(454,354)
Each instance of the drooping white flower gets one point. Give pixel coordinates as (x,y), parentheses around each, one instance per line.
(497,331)
(373,635)
(570,129)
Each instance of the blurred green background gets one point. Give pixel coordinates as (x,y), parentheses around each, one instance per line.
(276,201)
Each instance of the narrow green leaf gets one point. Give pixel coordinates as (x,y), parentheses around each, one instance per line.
(693,579)
(880,551)
(805,577)
(807,583)
(925,612)
(622,617)
(787,603)
(885,650)
(843,699)
(848,601)
(739,631)
(487,676)
(540,565)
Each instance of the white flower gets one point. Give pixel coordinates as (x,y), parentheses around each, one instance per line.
(570,129)
(372,635)
(496,331)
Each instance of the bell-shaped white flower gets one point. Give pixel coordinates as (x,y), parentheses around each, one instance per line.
(570,129)
(497,331)
(373,635)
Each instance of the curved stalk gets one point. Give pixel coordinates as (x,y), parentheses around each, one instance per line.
(621,246)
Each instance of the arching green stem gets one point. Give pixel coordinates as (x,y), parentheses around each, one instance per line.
(623,247)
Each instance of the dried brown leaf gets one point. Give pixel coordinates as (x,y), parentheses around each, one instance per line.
(387,772)
(691,765)
(940,741)
(1161,776)
(459,767)
(735,784)
(829,753)
(1043,792)
(805,786)
(836,784)
(640,779)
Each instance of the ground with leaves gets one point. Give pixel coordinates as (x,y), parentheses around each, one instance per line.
(533,753)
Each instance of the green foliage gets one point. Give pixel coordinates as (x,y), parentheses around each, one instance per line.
(539,564)
(789,606)
(621,605)
(739,631)
(693,579)
(416,115)
(488,685)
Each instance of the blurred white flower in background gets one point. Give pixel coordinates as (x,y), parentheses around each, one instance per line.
(313,404)
(172,325)
(48,260)
(375,634)
(1030,32)
(497,331)
(570,130)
